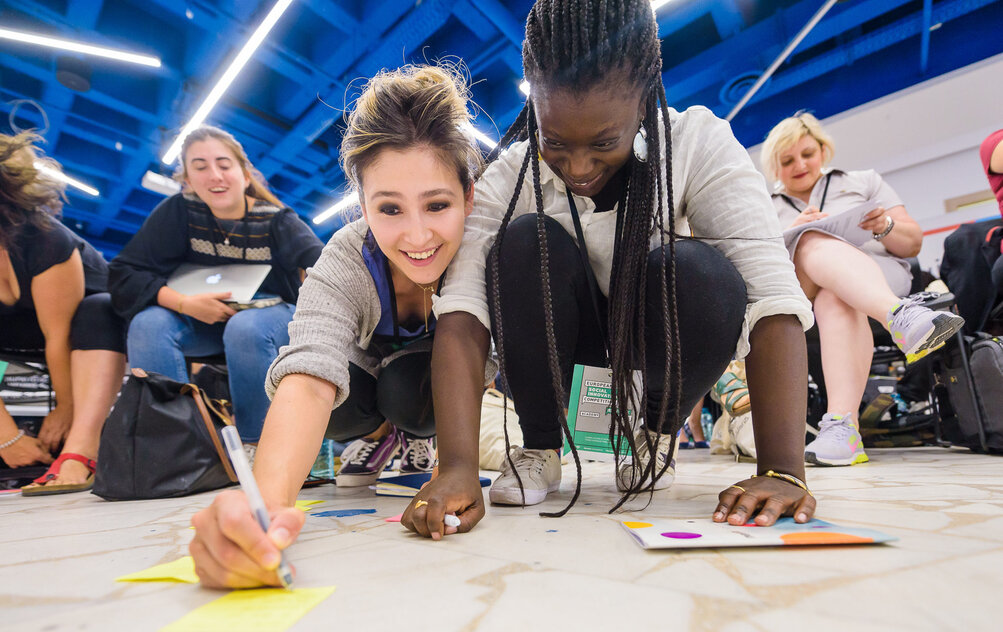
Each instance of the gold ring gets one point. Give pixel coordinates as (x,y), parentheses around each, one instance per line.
(420,503)
(740,487)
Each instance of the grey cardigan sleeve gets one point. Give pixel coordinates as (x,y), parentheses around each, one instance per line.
(337,311)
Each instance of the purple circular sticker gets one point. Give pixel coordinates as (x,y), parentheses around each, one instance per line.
(681,535)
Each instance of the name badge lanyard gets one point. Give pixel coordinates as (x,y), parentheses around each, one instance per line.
(583,251)
(825,192)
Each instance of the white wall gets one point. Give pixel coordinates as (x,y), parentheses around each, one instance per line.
(925,142)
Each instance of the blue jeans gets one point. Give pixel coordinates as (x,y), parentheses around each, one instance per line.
(159,340)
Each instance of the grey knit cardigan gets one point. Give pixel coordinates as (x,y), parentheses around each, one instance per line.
(336,314)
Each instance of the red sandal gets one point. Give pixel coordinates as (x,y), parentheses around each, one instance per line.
(38,486)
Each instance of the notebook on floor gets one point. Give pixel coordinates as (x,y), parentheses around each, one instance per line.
(707,534)
(407,485)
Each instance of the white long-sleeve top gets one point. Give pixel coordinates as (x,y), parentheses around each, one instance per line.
(718,196)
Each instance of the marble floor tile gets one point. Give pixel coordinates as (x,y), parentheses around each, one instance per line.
(59,557)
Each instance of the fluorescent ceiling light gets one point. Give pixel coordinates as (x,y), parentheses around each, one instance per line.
(482,137)
(347,201)
(78,47)
(353,198)
(228,76)
(160,184)
(56,174)
(524,87)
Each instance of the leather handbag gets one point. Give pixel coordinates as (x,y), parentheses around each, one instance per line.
(162,440)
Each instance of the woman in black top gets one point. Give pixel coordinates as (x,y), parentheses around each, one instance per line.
(53,303)
(225,215)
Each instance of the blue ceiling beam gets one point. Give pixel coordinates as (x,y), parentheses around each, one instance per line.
(502,18)
(727,18)
(45,74)
(67,26)
(320,115)
(757,46)
(911,26)
(924,46)
(678,15)
(474,20)
(407,35)
(334,14)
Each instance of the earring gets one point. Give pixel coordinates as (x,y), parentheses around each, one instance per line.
(641,144)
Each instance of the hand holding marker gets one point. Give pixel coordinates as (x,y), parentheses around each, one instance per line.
(235,449)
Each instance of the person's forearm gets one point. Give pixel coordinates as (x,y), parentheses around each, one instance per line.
(905,240)
(458,357)
(170,299)
(777,372)
(8,427)
(292,436)
(57,358)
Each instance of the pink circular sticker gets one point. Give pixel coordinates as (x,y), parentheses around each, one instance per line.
(681,535)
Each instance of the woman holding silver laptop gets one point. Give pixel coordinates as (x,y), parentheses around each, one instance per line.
(847,283)
(224,216)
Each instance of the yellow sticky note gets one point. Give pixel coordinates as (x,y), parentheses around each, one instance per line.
(304,505)
(181,570)
(259,610)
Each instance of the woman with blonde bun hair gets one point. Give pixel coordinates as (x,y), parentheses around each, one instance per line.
(358,361)
(847,283)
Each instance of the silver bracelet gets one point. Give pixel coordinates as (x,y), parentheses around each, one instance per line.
(889,225)
(9,443)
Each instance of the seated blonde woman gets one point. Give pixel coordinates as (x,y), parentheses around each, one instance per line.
(847,283)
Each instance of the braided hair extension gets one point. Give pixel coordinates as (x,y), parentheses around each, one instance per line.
(577,45)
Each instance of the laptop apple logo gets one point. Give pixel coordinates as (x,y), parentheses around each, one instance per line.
(213,279)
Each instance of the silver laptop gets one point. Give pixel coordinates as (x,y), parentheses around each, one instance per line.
(242,280)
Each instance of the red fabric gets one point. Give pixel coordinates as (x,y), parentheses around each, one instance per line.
(53,471)
(995,179)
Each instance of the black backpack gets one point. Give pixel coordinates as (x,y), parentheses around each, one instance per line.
(969,393)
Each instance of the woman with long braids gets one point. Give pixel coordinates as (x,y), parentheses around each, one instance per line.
(598,169)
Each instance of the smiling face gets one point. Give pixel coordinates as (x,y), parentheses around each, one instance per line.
(800,166)
(586,137)
(214,173)
(415,205)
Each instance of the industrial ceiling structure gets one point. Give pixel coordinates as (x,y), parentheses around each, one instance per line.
(109,123)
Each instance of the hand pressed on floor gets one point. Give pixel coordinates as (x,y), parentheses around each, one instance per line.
(765,499)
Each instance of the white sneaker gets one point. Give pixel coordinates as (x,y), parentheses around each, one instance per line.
(838,442)
(540,471)
(628,474)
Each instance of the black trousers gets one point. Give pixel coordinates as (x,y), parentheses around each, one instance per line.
(710,297)
(95,325)
(402,394)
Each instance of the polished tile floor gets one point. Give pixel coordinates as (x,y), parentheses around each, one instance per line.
(59,556)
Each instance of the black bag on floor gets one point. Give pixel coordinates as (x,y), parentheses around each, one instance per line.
(962,402)
(162,440)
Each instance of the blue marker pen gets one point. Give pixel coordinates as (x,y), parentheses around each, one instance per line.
(235,449)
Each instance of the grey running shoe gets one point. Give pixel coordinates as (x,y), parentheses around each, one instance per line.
(838,442)
(918,330)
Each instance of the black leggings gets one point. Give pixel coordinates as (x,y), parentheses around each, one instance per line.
(402,394)
(95,326)
(710,298)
